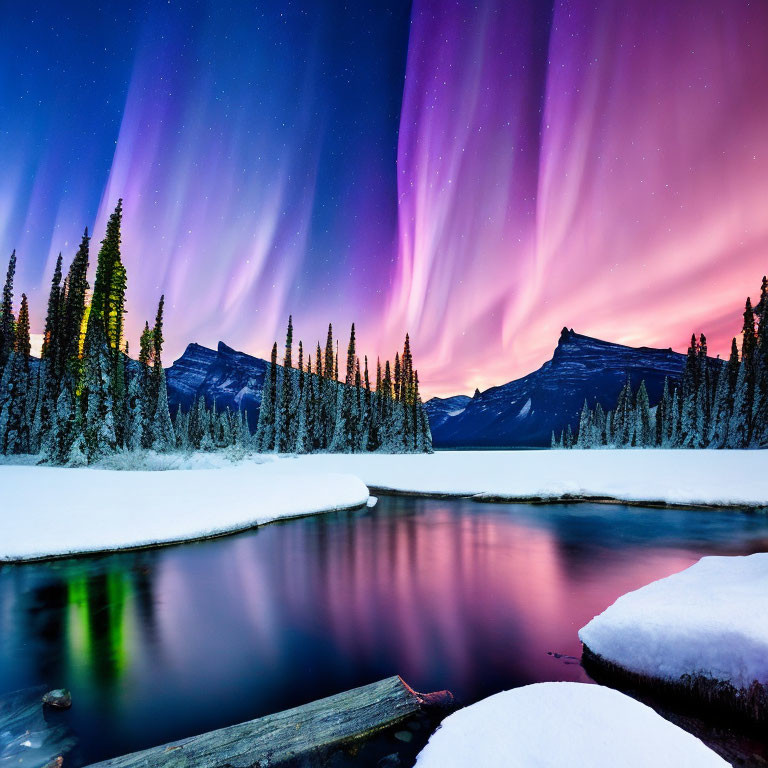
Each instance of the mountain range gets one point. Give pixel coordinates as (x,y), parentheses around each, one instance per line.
(523,412)
(223,376)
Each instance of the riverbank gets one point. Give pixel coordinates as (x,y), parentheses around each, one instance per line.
(701,635)
(50,512)
(149,500)
(690,478)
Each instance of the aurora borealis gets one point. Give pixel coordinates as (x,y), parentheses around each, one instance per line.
(476,173)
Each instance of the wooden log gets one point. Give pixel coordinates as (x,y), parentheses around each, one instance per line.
(294,735)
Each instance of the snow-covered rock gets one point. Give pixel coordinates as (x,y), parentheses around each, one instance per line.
(709,621)
(551,725)
(55,511)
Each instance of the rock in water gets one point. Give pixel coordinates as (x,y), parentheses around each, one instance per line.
(59,698)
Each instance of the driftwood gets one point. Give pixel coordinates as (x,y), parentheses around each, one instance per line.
(296,736)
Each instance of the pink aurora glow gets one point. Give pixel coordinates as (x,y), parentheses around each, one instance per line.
(598,165)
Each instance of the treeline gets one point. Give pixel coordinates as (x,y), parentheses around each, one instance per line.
(715,405)
(85,398)
(307,409)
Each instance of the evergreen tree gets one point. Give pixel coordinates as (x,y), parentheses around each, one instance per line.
(644,436)
(265,433)
(163,438)
(662,416)
(738,427)
(599,436)
(328,366)
(135,420)
(101,386)
(181,429)
(286,426)
(584,439)
(99,437)
(718,428)
(351,356)
(14,417)
(7,322)
(53,316)
(74,313)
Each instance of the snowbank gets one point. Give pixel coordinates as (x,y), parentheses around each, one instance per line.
(563,724)
(53,511)
(710,621)
(696,477)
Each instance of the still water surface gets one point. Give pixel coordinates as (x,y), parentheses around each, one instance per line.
(162,644)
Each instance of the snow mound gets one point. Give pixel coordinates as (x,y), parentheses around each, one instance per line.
(57,511)
(710,621)
(563,724)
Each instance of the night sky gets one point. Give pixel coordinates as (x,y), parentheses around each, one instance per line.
(477,173)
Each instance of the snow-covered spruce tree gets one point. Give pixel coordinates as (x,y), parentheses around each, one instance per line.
(366,407)
(181,429)
(759,434)
(674,420)
(33,380)
(718,427)
(303,434)
(704,395)
(568,440)
(195,422)
(286,425)
(345,435)
(73,314)
(65,364)
(624,426)
(689,386)
(7,321)
(759,437)
(584,439)
(738,426)
(134,420)
(315,422)
(599,426)
(374,410)
(99,429)
(660,419)
(101,388)
(207,422)
(48,379)
(163,439)
(265,432)
(14,417)
(644,433)
(40,428)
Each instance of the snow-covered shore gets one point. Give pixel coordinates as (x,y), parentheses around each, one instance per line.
(551,725)
(55,511)
(706,624)
(690,477)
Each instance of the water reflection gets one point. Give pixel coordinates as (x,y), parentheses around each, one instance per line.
(159,645)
